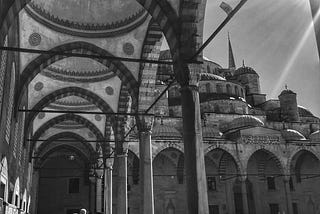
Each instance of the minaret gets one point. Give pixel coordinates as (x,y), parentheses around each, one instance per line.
(232,65)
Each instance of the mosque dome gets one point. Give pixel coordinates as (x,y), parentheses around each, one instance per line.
(161,132)
(315,136)
(303,112)
(243,122)
(244,70)
(210,132)
(209,76)
(290,134)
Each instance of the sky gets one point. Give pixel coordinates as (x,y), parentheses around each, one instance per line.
(276,38)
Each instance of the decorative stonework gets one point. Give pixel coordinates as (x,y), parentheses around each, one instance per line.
(75,76)
(35,39)
(38,86)
(89,30)
(260,139)
(109,90)
(41,115)
(98,117)
(128,48)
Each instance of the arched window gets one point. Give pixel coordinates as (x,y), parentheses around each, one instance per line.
(228,89)
(236,90)
(208,88)
(242,94)
(208,68)
(219,89)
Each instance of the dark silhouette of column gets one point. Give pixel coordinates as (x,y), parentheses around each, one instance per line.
(197,198)
(146,172)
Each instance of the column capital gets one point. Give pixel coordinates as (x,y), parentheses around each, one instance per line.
(189,74)
(145,123)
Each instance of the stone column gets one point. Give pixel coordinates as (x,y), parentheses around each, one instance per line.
(244,196)
(197,198)
(108,190)
(122,194)
(98,195)
(146,172)
(289,209)
(35,188)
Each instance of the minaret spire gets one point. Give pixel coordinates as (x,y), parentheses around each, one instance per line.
(232,64)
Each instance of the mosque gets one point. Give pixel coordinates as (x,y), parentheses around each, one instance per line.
(95,115)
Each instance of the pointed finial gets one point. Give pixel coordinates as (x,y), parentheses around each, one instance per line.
(243,63)
(286,86)
(232,64)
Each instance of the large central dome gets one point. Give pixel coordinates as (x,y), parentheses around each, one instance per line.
(93,11)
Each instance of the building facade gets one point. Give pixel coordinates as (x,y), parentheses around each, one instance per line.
(79,128)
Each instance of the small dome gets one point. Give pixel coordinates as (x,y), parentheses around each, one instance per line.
(243,122)
(290,134)
(303,112)
(210,132)
(161,132)
(315,136)
(208,76)
(244,70)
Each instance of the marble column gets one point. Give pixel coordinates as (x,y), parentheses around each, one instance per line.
(146,172)
(197,198)
(289,209)
(108,190)
(244,196)
(122,193)
(98,195)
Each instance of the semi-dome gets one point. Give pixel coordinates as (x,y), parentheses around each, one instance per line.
(210,132)
(245,121)
(209,76)
(290,134)
(315,136)
(164,132)
(244,70)
(81,18)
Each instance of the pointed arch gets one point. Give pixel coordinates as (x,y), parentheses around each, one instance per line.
(41,160)
(261,164)
(148,72)
(4,177)
(44,60)
(16,193)
(61,118)
(68,135)
(65,92)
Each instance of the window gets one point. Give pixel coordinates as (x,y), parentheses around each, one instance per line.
(236,90)
(271,183)
(295,208)
(212,184)
(229,89)
(74,185)
(208,90)
(274,208)
(291,184)
(2,190)
(213,209)
(219,89)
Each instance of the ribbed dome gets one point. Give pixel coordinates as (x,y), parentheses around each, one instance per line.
(210,132)
(160,132)
(245,70)
(242,122)
(208,76)
(315,136)
(290,134)
(303,112)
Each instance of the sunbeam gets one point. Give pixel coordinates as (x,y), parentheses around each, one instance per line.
(293,57)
